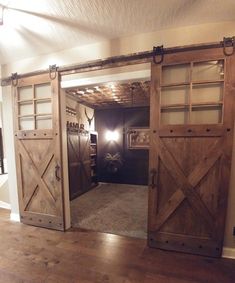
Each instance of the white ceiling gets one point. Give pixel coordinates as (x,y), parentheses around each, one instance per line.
(34,27)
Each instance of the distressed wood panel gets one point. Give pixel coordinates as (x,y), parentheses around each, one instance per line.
(79,162)
(188,204)
(38,157)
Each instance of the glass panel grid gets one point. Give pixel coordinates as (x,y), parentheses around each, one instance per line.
(207,92)
(206,115)
(175,95)
(43,90)
(26,123)
(198,99)
(35,107)
(43,122)
(43,107)
(174,116)
(26,108)
(25,93)
(175,74)
(209,70)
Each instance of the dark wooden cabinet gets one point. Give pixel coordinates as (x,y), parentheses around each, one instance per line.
(82,160)
(79,163)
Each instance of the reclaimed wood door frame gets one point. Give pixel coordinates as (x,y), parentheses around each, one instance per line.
(187,184)
(39,159)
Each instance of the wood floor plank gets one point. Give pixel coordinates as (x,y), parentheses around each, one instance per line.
(37,255)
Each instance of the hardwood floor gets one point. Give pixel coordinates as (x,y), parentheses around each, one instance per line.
(31,254)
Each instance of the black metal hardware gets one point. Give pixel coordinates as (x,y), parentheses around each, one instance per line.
(228,42)
(1,154)
(57,169)
(52,71)
(153,173)
(14,79)
(158,51)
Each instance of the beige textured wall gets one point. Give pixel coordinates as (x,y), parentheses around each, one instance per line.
(172,37)
(7,107)
(81,117)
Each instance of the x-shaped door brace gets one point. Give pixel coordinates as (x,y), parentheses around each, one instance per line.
(79,154)
(37,173)
(187,185)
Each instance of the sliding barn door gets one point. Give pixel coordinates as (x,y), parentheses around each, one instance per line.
(38,153)
(192,117)
(79,161)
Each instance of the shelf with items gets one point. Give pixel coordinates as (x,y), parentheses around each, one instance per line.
(93,158)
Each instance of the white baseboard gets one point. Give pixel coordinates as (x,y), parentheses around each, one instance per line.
(15,217)
(228,252)
(5,205)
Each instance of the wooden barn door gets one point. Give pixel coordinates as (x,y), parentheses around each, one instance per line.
(38,151)
(79,161)
(192,117)
(85,161)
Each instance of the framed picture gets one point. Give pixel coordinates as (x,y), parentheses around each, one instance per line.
(138,138)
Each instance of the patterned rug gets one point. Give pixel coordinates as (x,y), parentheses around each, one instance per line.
(112,208)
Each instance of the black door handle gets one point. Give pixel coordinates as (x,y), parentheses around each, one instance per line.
(57,169)
(153,173)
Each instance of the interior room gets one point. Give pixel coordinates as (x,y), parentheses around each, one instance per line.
(107,117)
(117,151)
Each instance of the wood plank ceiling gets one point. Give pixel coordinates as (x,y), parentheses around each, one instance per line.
(112,95)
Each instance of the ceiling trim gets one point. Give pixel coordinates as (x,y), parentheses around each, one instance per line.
(120,77)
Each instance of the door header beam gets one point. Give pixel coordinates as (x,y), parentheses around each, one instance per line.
(123,60)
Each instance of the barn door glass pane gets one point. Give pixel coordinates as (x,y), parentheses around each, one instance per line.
(174,116)
(43,91)
(192,93)
(175,91)
(35,107)
(206,115)
(175,95)
(43,107)
(25,93)
(43,122)
(26,123)
(26,108)
(210,70)
(212,92)
(175,74)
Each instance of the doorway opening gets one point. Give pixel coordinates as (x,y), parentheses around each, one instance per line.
(107,116)
(190,150)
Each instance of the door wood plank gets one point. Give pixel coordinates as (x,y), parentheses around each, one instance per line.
(196,225)
(41,195)
(194,178)
(38,180)
(176,172)
(153,151)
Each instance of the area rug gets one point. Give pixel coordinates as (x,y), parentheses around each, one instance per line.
(112,208)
